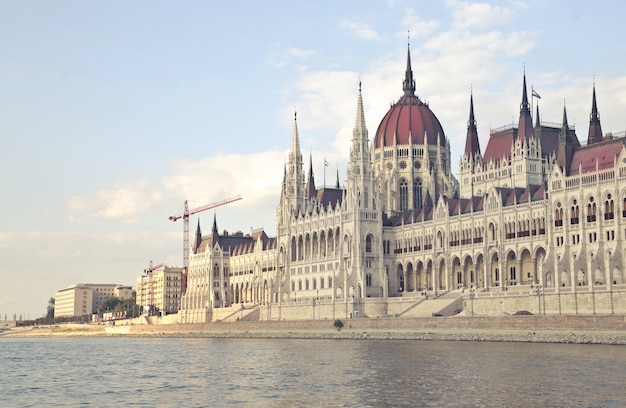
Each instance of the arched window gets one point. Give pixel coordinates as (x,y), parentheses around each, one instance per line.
(404,195)
(417,194)
(609,209)
(306,284)
(299,285)
(314,283)
(574,216)
(591,211)
(558,215)
(368,244)
(330,282)
(321,283)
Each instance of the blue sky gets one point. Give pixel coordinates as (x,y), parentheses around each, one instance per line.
(114,113)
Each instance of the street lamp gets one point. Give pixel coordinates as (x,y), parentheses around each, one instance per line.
(472,296)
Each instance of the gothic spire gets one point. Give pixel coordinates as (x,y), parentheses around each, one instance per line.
(525,126)
(214,233)
(338,186)
(310,185)
(472,145)
(408,86)
(198,238)
(537,120)
(295,140)
(567,144)
(595,129)
(359,124)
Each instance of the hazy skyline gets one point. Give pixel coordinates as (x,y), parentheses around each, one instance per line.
(113,114)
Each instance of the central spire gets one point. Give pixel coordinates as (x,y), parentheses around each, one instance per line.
(408,86)
(525,125)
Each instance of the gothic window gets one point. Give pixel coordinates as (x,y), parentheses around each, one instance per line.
(368,279)
(321,283)
(404,195)
(558,215)
(609,210)
(299,285)
(330,282)
(368,244)
(624,208)
(314,283)
(574,216)
(417,194)
(293,286)
(591,210)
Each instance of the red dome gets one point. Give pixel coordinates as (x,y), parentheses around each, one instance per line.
(409,121)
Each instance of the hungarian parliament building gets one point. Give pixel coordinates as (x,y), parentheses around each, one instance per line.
(537,212)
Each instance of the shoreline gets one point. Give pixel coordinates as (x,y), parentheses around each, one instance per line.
(239,331)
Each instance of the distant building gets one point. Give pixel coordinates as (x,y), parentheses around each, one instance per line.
(85,298)
(160,291)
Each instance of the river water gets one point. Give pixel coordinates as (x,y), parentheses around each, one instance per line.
(203,372)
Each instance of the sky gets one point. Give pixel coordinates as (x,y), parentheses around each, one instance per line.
(112,114)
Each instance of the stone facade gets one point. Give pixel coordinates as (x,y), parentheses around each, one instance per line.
(533,216)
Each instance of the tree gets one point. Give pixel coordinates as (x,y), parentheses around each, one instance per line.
(50,309)
(108,305)
(338,324)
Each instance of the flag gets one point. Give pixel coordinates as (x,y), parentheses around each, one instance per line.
(325,162)
(536,95)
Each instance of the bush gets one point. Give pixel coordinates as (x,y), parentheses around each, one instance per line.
(338,324)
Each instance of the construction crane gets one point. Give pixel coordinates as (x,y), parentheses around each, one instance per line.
(149,307)
(185,216)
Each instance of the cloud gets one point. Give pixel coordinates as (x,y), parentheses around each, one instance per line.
(125,201)
(478,15)
(281,57)
(361,30)
(257,177)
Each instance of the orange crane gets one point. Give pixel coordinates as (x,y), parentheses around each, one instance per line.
(149,298)
(185,216)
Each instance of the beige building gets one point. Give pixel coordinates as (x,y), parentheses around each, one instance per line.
(532,224)
(160,291)
(84,299)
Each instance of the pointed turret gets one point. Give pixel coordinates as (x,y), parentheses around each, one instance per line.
(525,126)
(408,86)
(198,241)
(595,130)
(310,185)
(537,120)
(295,189)
(214,233)
(566,145)
(472,145)
(360,130)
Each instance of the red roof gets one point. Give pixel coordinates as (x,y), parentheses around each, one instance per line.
(598,155)
(409,121)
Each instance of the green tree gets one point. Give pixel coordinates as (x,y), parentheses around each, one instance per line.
(338,324)
(108,305)
(50,310)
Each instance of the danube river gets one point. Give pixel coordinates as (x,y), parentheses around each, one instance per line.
(203,372)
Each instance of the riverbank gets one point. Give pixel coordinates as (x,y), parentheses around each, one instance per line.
(527,329)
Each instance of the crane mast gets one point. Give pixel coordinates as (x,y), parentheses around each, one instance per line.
(185,216)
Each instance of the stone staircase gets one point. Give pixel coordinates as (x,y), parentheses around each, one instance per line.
(444,305)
